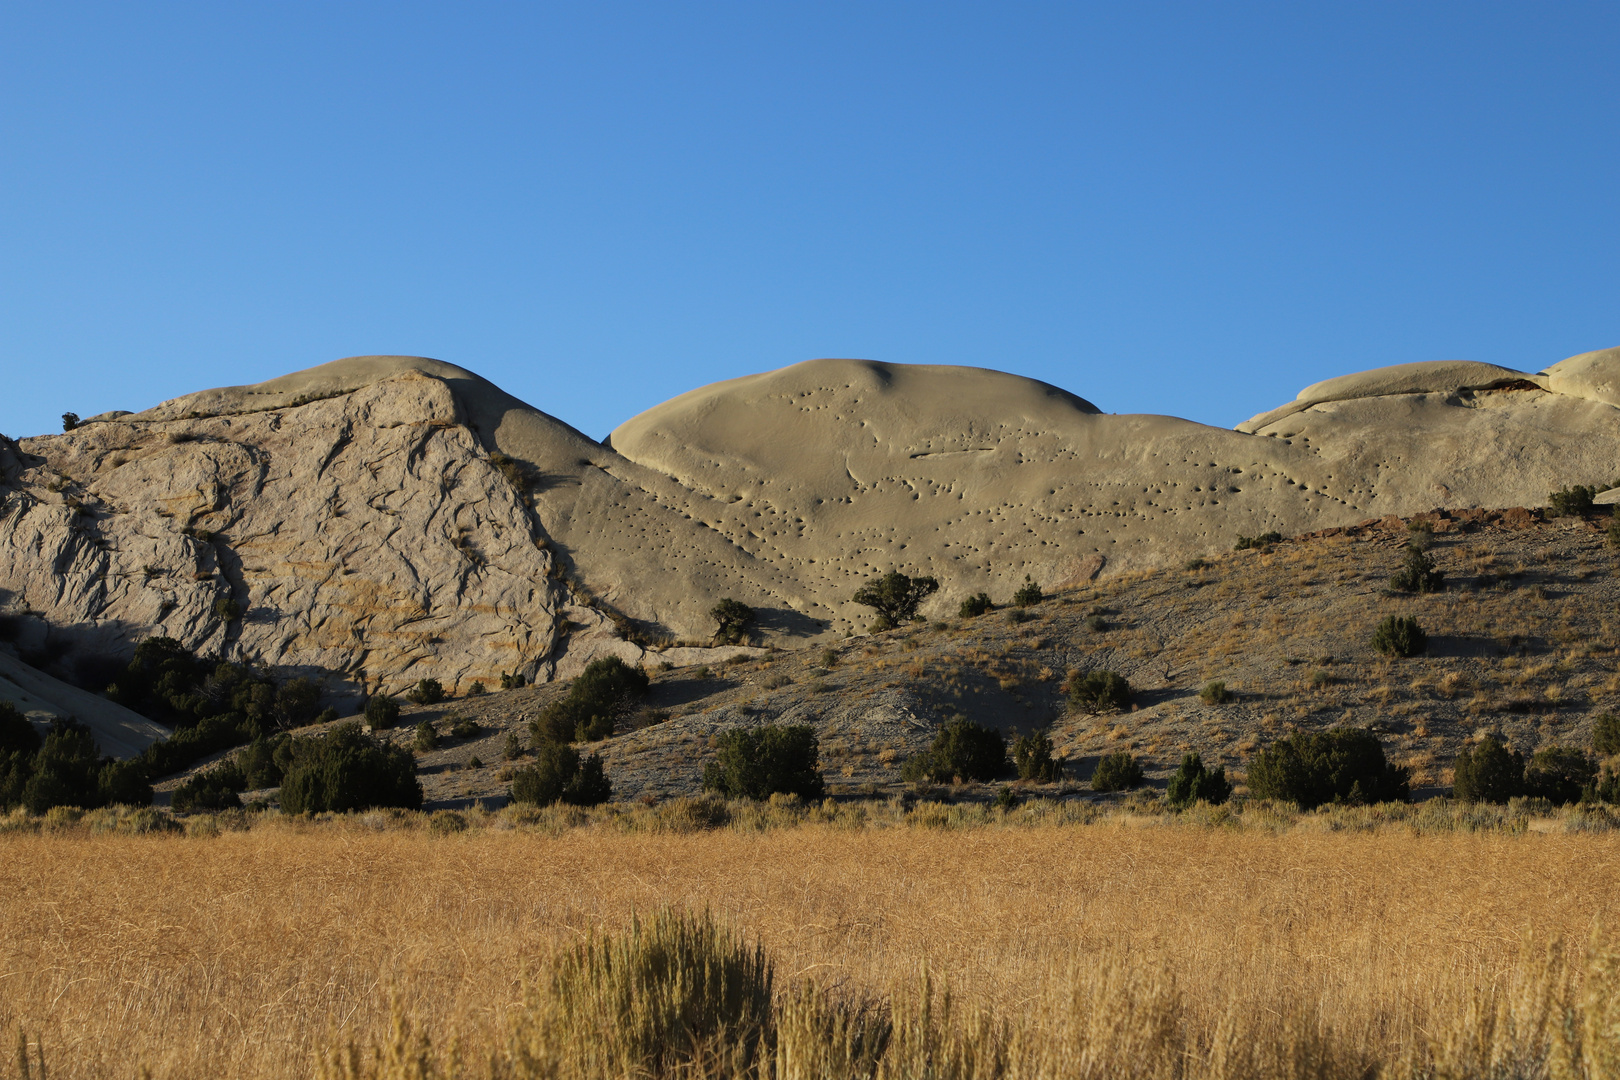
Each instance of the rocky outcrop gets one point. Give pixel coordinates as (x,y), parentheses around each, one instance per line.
(365,538)
(378,520)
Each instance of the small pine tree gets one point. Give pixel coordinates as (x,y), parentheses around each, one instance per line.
(1559,774)
(975,605)
(1606,735)
(1340,765)
(559,775)
(1571,501)
(1098,691)
(1029,594)
(1119,771)
(732,619)
(962,750)
(1032,755)
(1418,575)
(895,596)
(1488,773)
(756,763)
(427,737)
(427,692)
(382,712)
(345,769)
(603,694)
(1192,783)
(1400,636)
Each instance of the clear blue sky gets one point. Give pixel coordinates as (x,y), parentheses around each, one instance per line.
(1194,209)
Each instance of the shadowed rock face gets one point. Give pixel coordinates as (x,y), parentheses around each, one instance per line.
(383,519)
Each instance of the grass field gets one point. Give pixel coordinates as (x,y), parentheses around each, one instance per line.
(1129,946)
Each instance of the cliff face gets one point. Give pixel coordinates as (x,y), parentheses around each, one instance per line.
(364,535)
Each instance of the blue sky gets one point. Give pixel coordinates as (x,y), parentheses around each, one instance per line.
(1193,209)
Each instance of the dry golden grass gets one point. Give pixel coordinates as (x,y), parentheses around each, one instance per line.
(247,953)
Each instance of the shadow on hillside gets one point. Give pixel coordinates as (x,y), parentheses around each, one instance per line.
(787,622)
(1445,646)
(665,695)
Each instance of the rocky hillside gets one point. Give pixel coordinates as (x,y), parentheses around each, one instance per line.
(381,519)
(1524,642)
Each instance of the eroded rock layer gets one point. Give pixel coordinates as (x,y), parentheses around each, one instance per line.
(378,520)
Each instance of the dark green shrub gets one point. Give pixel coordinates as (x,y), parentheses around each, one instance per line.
(476,689)
(962,750)
(124,783)
(464,729)
(226,609)
(513,681)
(756,763)
(1119,771)
(732,619)
(1340,765)
(216,789)
(1606,735)
(1098,691)
(382,712)
(829,658)
(1418,574)
(1215,693)
(65,771)
(1612,537)
(295,703)
(17,735)
(345,769)
(190,744)
(211,705)
(427,737)
(558,775)
(1096,624)
(1608,786)
(895,596)
(603,694)
(513,748)
(1032,756)
(1571,501)
(1488,772)
(1193,783)
(1400,635)
(1006,798)
(1029,594)
(70,421)
(975,605)
(1263,541)
(1559,774)
(426,692)
(326,715)
(259,764)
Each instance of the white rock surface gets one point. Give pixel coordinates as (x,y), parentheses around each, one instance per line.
(1594,376)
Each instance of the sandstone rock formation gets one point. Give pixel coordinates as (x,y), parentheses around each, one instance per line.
(380,519)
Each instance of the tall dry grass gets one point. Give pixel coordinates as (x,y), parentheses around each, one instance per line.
(1116,948)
